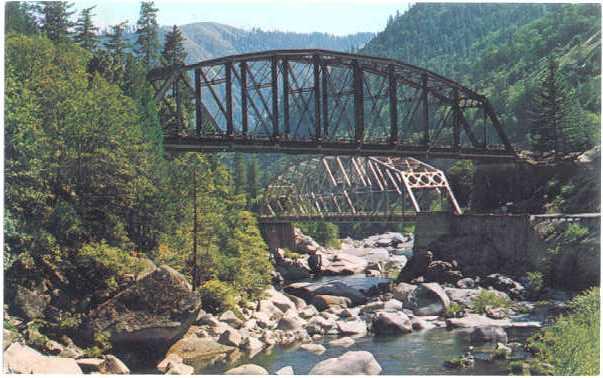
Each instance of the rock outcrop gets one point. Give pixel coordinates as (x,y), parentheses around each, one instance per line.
(21,359)
(157,309)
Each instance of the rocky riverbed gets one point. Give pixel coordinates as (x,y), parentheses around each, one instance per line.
(359,323)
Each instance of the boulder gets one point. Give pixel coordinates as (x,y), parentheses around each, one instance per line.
(178,368)
(193,349)
(393,305)
(403,291)
(8,337)
(485,334)
(21,359)
(320,325)
(157,309)
(466,283)
(474,320)
(247,369)
(287,370)
(343,264)
(308,312)
(290,323)
(416,266)
(322,302)
(419,324)
(231,338)
(427,299)
(313,348)
(442,272)
(505,284)
(267,307)
(113,365)
(356,328)
(350,363)
(300,304)
(280,300)
(31,303)
(372,307)
(293,270)
(89,365)
(252,344)
(163,366)
(391,323)
(231,319)
(344,342)
(466,296)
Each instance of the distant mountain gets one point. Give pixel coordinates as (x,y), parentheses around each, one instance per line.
(206,40)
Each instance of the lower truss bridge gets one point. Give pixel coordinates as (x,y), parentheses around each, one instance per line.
(357,189)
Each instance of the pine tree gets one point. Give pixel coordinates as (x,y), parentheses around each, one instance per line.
(55,20)
(116,47)
(85,30)
(173,48)
(252,180)
(19,18)
(147,32)
(557,123)
(238,174)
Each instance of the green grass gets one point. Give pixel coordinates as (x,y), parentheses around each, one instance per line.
(571,344)
(453,310)
(490,299)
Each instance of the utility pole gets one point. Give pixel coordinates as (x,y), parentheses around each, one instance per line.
(194,272)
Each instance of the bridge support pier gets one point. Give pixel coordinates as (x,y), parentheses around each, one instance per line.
(278,235)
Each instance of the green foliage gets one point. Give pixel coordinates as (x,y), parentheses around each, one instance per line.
(325,233)
(571,344)
(102,345)
(85,30)
(489,299)
(454,310)
(55,22)
(147,33)
(575,232)
(218,296)
(19,18)
(536,282)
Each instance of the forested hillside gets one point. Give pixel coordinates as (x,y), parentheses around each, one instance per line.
(204,40)
(503,51)
(90,197)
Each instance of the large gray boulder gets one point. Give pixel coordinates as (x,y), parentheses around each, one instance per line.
(474,320)
(113,365)
(391,323)
(355,328)
(491,334)
(350,363)
(357,290)
(428,299)
(157,309)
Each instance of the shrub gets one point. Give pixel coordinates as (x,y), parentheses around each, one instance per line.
(107,263)
(575,232)
(571,344)
(454,310)
(218,296)
(535,283)
(489,299)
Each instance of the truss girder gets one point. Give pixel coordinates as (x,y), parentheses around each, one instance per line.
(299,101)
(337,186)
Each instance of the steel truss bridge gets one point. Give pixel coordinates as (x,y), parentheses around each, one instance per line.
(325,102)
(346,189)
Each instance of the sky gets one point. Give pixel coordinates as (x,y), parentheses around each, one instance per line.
(339,17)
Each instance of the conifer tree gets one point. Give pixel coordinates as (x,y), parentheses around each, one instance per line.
(116,46)
(147,31)
(55,22)
(239,174)
(557,124)
(85,30)
(173,47)
(19,18)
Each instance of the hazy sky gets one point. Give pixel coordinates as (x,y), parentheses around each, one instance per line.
(331,16)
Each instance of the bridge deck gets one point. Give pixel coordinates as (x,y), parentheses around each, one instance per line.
(268,145)
(341,218)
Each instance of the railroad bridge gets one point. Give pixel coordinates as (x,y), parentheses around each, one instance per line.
(324,102)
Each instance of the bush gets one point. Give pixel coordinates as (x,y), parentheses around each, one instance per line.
(489,299)
(218,296)
(454,310)
(571,344)
(535,283)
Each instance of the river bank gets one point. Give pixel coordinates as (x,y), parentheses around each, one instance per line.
(310,325)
